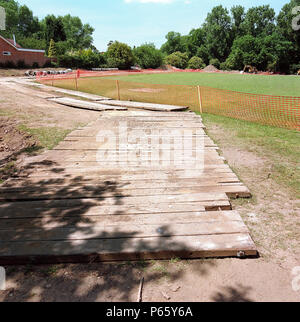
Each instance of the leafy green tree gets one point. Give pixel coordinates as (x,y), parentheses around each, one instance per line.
(78,35)
(147,56)
(284,29)
(265,53)
(54,29)
(174,43)
(31,42)
(120,55)
(28,24)
(85,58)
(260,21)
(217,28)
(237,21)
(196,63)
(195,39)
(178,59)
(203,53)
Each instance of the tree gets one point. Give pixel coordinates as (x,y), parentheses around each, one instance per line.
(238,18)
(120,55)
(217,29)
(265,53)
(196,63)
(54,29)
(203,53)
(173,44)
(178,60)
(147,56)
(284,29)
(259,21)
(195,39)
(78,35)
(52,49)
(28,24)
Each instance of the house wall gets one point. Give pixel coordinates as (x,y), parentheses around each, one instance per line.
(27,56)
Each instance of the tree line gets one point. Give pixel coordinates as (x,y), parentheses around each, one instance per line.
(231,39)
(228,39)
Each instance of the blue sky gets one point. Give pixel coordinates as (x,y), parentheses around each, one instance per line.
(138,21)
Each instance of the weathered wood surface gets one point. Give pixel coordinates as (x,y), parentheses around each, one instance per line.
(95,106)
(147,106)
(70,204)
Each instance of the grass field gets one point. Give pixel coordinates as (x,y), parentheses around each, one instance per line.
(218,93)
(255,84)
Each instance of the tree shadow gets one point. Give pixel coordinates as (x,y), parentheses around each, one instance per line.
(63,218)
(233,294)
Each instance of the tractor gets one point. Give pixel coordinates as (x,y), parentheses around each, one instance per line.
(250,69)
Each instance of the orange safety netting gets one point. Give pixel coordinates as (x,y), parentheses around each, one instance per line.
(281,111)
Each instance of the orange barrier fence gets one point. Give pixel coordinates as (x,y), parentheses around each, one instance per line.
(280,111)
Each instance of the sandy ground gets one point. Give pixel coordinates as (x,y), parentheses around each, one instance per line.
(272,216)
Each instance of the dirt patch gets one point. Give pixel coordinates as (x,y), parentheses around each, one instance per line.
(11,72)
(273,213)
(210,69)
(147,90)
(12,140)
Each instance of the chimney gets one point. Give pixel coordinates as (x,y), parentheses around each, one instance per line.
(14,38)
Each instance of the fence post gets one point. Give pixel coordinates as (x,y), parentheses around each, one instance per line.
(52,80)
(200,99)
(118,90)
(76,83)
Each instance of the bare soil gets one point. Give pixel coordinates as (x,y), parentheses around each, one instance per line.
(12,140)
(8,72)
(147,90)
(272,215)
(210,69)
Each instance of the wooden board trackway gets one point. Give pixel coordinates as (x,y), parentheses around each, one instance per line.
(67,205)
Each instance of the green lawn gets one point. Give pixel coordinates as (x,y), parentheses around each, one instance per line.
(257,84)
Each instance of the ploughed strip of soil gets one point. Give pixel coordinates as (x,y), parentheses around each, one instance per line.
(12,143)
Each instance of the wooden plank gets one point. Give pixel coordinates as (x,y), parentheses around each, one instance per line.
(67,219)
(85,192)
(126,249)
(129,186)
(83,104)
(88,96)
(147,106)
(122,198)
(89,180)
(91,207)
(126,231)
